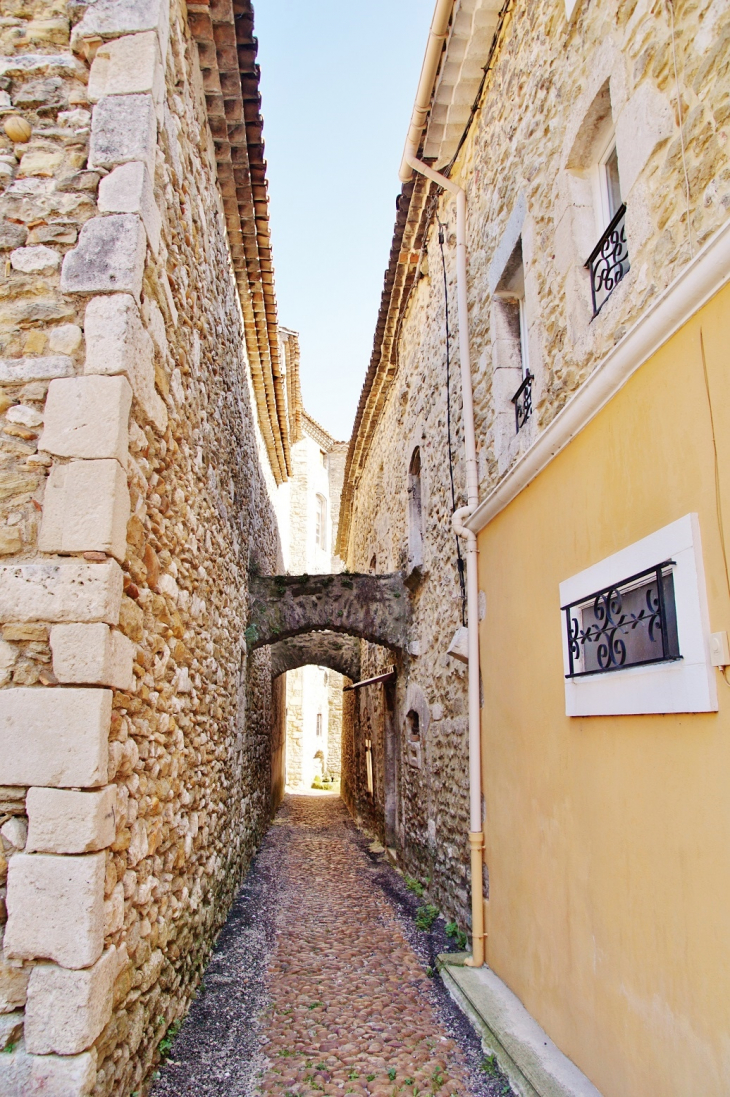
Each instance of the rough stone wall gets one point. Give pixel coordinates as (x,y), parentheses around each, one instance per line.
(527,162)
(135,732)
(335,683)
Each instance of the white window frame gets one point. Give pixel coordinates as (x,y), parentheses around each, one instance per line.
(602,201)
(524,346)
(686,685)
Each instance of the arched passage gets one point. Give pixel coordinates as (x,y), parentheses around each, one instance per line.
(322,649)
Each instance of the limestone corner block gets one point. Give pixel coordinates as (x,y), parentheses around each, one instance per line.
(117,342)
(86,509)
(23,1075)
(109,257)
(88,417)
(65,821)
(127,66)
(56,737)
(61,592)
(56,908)
(128,189)
(19,370)
(66,1010)
(92,655)
(113,18)
(123,128)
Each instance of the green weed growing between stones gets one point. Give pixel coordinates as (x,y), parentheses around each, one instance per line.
(414,885)
(426,916)
(457,935)
(165,1045)
(490,1066)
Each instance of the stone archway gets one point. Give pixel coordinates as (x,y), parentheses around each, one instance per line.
(373,607)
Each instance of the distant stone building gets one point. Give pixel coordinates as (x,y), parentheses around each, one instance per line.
(313,694)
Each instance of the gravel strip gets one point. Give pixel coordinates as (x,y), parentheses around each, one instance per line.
(321,983)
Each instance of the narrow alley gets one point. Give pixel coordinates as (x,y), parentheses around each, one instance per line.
(322,983)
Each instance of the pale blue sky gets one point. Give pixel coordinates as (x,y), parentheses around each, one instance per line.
(338,80)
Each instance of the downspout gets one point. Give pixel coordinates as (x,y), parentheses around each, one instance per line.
(476,835)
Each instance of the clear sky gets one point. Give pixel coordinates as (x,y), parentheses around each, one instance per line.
(338,80)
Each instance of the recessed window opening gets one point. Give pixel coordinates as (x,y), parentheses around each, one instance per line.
(373,564)
(415,511)
(369,765)
(413,727)
(321,522)
(609,260)
(511,293)
(318,725)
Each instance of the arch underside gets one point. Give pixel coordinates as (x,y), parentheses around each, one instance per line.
(320,649)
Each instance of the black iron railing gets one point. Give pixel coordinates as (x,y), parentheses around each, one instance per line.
(522,401)
(629,624)
(609,261)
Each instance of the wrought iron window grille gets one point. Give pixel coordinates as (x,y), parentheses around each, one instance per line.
(629,624)
(609,260)
(522,401)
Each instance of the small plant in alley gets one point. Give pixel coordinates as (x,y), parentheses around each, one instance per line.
(489,1065)
(457,935)
(165,1045)
(370,1077)
(414,885)
(392,1073)
(426,916)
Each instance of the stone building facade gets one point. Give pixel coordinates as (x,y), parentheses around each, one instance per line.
(313,694)
(552,117)
(145,431)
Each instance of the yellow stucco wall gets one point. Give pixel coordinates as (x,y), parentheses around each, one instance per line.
(608,838)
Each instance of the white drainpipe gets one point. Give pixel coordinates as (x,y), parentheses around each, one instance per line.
(476,835)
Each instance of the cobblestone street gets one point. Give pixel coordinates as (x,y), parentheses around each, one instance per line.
(320,980)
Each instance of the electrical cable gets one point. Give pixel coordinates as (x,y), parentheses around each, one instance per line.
(718,497)
(459,558)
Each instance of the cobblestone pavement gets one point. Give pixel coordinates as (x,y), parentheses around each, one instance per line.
(319,982)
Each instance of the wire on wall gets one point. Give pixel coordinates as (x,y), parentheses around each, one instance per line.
(459,557)
(718,496)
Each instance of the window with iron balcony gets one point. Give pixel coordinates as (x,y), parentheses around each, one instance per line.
(609,260)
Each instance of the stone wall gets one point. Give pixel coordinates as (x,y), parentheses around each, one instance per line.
(526,166)
(135,731)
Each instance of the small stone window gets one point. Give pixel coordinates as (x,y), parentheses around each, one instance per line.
(609,260)
(415,512)
(321,523)
(318,725)
(413,738)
